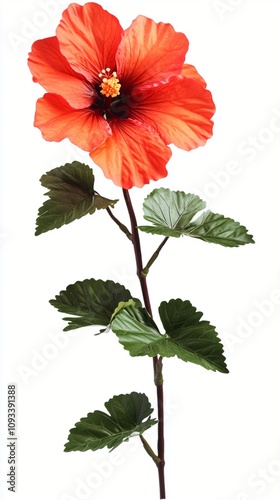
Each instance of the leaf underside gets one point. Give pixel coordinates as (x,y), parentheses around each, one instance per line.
(125,419)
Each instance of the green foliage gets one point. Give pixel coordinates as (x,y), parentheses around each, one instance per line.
(92,301)
(186,336)
(71,196)
(137,331)
(125,419)
(192,338)
(216,228)
(171,213)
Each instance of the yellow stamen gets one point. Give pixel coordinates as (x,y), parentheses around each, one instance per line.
(110,83)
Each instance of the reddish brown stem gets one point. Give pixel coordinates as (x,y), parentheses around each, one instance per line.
(156,360)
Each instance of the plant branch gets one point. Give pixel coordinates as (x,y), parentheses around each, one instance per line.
(122,227)
(154,257)
(157,362)
(149,450)
(137,251)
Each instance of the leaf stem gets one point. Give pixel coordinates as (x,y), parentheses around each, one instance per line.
(154,257)
(156,360)
(149,450)
(122,227)
(158,373)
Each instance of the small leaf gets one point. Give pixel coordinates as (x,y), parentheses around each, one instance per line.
(170,211)
(125,419)
(71,196)
(92,301)
(216,228)
(186,337)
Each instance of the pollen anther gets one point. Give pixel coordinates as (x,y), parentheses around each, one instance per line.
(110,86)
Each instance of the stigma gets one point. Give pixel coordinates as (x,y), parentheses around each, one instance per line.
(110,86)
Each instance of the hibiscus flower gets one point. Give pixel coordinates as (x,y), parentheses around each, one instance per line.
(121,95)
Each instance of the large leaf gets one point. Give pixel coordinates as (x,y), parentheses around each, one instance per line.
(192,339)
(187,336)
(92,301)
(171,213)
(125,418)
(216,228)
(71,196)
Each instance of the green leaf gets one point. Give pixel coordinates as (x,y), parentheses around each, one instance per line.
(92,301)
(216,228)
(125,419)
(137,331)
(71,196)
(171,213)
(186,337)
(192,339)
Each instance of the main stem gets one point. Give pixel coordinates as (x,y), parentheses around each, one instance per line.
(157,362)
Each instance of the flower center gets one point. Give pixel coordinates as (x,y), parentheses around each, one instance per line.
(110,86)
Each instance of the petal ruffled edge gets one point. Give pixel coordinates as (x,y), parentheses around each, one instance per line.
(57,121)
(52,70)
(190,71)
(133,156)
(89,37)
(150,53)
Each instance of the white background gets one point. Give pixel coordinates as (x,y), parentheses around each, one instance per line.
(222,431)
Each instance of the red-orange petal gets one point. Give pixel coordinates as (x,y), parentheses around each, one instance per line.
(89,37)
(190,71)
(180,111)
(50,68)
(58,121)
(133,155)
(150,53)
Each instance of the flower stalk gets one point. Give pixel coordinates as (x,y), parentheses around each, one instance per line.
(157,362)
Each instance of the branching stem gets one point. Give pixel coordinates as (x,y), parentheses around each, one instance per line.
(122,227)
(154,257)
(157,362)
(149,450)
